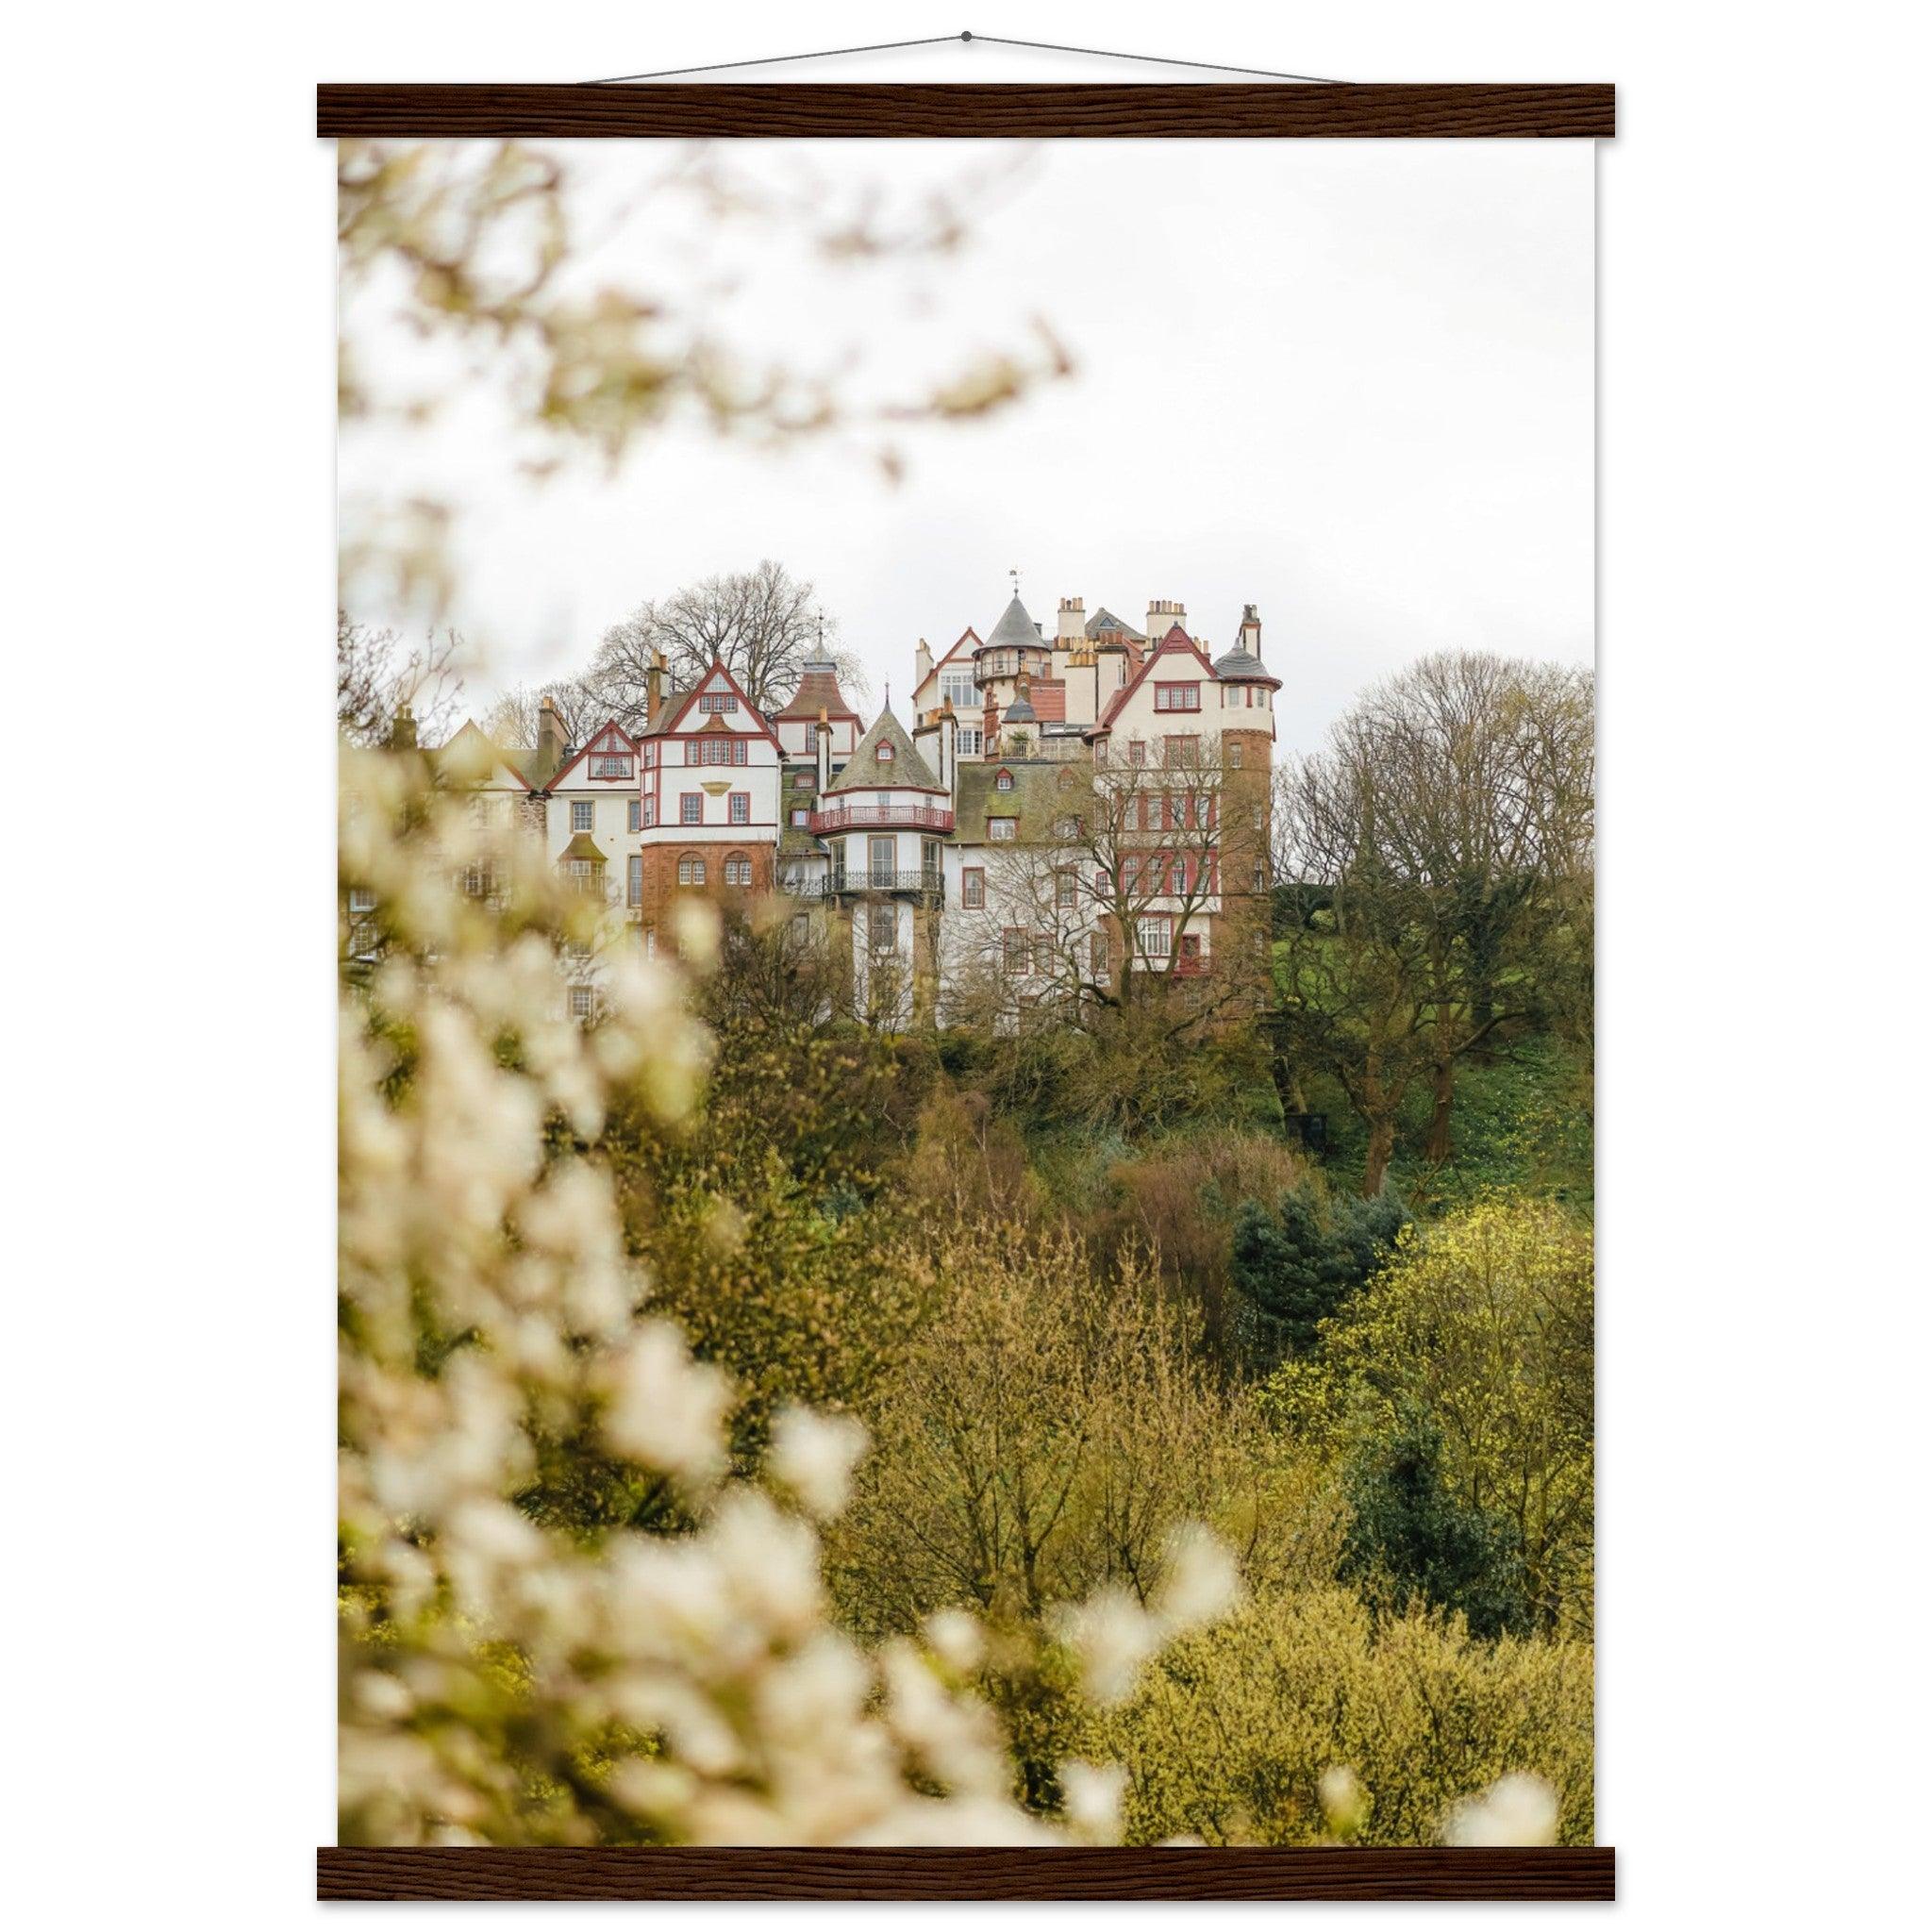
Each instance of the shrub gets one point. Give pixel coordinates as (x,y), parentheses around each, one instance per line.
(1231,1733)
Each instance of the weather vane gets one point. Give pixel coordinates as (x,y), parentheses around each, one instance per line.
(1015,575)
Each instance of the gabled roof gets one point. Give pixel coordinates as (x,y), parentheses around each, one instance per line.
(671,717)
(1176,643)
(610,730)
(818,690)
(903,772)
(967,643)
(1104,618)
(473,750)
(1014,628)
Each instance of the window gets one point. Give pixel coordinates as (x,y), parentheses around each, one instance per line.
(969,741)
(634,815)
(740,752)
(1001,830)
(479,882)
(650,943)
(1191,949)
(634,885)
(800,781)
(972,886)
(691,871)
(1017,952)
(801,817)
(1176,697)
(882,928)
(714,751)
(1066,888)
(581,1003)
(881,855)
(885,754)
(960,690)
(1180,750)
(737,871)
(1100,750)
(580,810)
(362,899)
(1004,782)
(585,876)
(1152,811)
(690,809)
(929,860)
(1136,751)
(717,701)
(1097,956)
(650,756)
(1234,755)
(649,816)
(1156,934)
(740,807)
(606,766)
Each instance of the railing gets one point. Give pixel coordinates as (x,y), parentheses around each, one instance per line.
(918,818)
(930,884)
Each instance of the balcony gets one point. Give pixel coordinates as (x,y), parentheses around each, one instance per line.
(840,885)
(860,818)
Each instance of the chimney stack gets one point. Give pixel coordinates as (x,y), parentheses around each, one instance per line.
(922,664)
(402,730)
(550,738)
(1162,615)
(654,688)
(949,750)
(1249,636)
(1073,631)
(825,749)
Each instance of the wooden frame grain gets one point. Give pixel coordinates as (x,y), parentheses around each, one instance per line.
(1315,111)
(1579,1874)
(1291,111)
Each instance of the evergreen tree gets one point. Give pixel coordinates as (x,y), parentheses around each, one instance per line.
(1298,1265)
(1410,1538)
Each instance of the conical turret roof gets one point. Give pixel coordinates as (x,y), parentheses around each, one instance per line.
(1014,628)
(818,690)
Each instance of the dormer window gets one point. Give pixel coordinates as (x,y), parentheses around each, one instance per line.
(885,754)
(1004,782)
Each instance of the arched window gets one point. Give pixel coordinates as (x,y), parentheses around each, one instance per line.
(738,869)
(690,870)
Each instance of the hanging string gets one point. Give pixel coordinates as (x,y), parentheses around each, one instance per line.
(960,40)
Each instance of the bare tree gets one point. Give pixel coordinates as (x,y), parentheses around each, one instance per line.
(763,625)
(1486,807)
(1142,891)
(376,677)
(1440,849)
(512,720)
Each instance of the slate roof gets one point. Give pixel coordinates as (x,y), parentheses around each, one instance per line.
(1104,618)
(582,846)
(1240,666)
(904,770)
(1014,628)
(465,747)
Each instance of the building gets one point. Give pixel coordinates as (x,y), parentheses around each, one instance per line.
(1062,811)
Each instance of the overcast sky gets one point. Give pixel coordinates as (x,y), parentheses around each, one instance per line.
(1348,381)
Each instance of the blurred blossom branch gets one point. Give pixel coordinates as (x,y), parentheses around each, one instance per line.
(478,246)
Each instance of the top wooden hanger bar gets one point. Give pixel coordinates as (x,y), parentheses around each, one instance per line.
(1307,110)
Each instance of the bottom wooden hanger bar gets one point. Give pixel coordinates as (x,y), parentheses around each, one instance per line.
(1557,1872)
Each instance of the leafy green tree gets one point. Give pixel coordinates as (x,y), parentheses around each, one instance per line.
(1410,1538)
